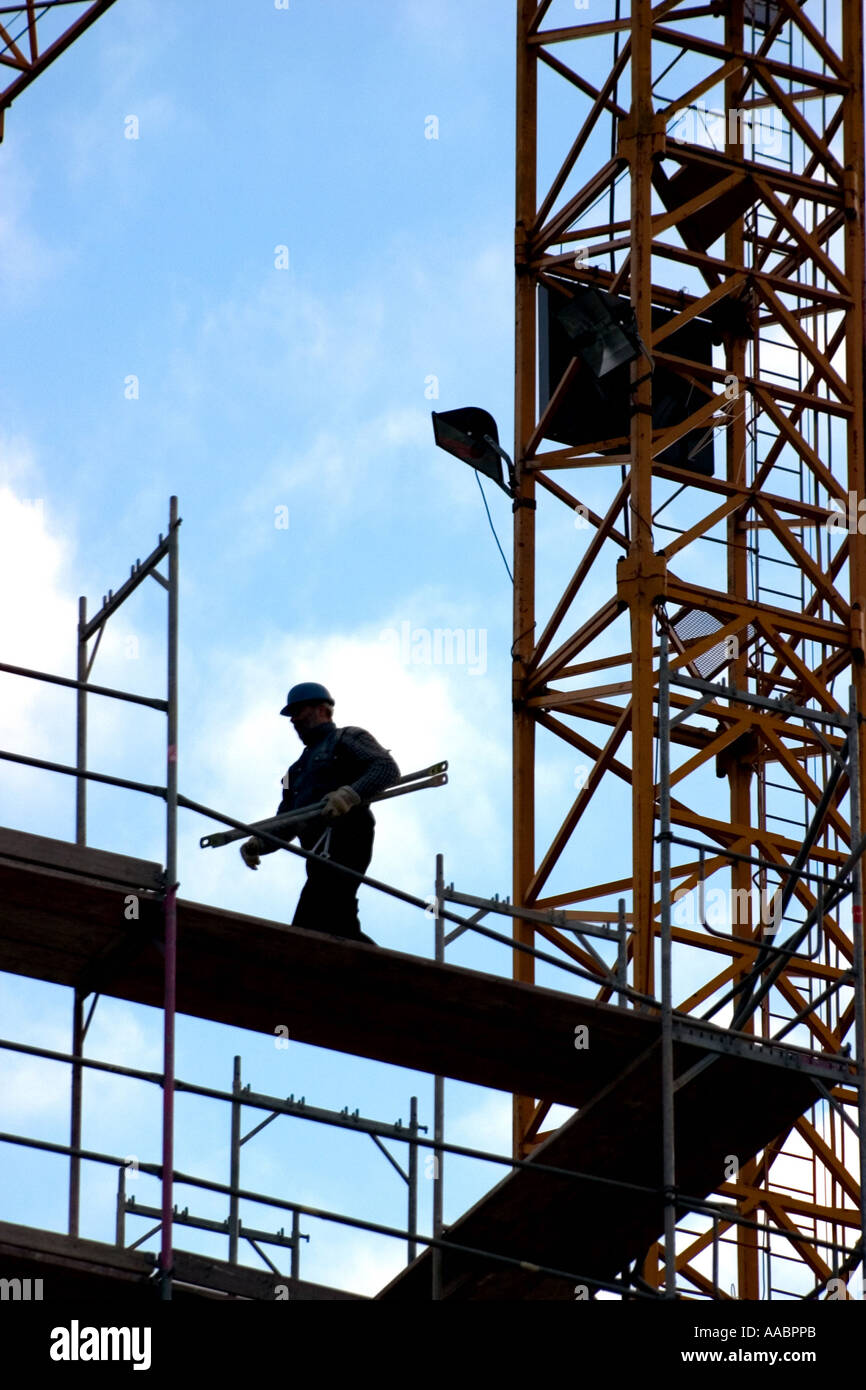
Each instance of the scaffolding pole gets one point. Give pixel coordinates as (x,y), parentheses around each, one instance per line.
(412,1245)
(235,1165)
(858,960)
(170,908)
(76,1097)
(75,1109)
(438,1103)
(667,1051)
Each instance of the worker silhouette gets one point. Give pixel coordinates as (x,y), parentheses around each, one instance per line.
(343,768)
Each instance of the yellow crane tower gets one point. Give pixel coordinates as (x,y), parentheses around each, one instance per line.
(689,386)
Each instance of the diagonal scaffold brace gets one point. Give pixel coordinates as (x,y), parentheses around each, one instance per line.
(434,776)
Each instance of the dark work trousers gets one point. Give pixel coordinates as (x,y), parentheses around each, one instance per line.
(329,900)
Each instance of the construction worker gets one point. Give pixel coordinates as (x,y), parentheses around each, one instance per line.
(342,767)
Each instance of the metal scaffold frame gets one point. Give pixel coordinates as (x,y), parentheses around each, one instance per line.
(614,937)
(88,630)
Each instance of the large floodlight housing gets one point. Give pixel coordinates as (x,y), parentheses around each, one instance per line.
(470,434)
(601,329)
(593,331)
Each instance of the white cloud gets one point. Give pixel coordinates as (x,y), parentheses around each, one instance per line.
(334,466)
(421,713)
(33,1086)
(365,1266)
(37,621)
(37,629)
(486,1126)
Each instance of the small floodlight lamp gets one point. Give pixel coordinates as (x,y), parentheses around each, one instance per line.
(470,434)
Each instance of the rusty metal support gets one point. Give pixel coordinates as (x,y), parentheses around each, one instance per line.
(23,56)
(667,194)
(524,518)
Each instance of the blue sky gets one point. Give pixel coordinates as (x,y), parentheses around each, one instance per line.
(293,274)
(260,389)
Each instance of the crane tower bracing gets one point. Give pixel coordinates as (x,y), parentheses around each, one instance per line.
(34,33)
(689,386)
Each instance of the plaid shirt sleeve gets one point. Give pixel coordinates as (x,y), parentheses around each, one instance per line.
(380,769)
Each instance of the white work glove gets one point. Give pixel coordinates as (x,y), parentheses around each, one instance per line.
(250,851)
(339,802)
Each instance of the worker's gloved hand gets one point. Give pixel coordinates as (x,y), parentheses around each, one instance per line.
(339,802)
(250,851)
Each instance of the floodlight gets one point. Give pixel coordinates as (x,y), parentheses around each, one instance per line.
(602,330)
(470,434)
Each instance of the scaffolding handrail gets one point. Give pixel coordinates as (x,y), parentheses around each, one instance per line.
(305,1112)
(47,765)
(686,1200)
(738,856)
(249,829)
(467,924)
(747,697)
(320,1213)
(153,701)
(392,891)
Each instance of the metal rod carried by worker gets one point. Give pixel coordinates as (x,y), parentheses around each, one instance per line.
(325,803)
(434,776)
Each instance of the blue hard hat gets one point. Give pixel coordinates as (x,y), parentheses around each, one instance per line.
(307,693)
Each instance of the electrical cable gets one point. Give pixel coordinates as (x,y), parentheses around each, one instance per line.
(492,527)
